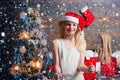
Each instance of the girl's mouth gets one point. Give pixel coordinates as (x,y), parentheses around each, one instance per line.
(70,30)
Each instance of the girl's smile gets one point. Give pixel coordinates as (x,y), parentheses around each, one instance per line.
(70,27)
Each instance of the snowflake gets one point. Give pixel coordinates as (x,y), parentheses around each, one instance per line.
(3,34)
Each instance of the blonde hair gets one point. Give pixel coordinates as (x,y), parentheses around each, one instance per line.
(79,37)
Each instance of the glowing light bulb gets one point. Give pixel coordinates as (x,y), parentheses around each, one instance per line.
(16,67)
(105,19)
(23,35)
(38,65)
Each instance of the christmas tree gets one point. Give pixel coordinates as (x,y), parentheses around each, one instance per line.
(28,46)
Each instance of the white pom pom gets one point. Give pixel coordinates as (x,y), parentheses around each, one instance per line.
(87,58)
(84,9)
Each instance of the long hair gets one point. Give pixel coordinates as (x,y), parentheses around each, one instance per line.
(80,41)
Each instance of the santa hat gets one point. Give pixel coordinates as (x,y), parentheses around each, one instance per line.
(83,20)
(73,17)
(70,16)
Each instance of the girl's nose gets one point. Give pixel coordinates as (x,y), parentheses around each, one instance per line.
(71,26)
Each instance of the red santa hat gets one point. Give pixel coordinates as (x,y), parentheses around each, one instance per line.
(84,20)
(71,16)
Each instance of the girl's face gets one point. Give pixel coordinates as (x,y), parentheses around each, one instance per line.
(70,27)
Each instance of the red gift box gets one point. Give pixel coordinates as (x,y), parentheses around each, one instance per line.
(87,75)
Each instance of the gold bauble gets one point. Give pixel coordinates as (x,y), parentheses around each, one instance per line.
(30,10)
(22,14)
(43,42)
(22,49)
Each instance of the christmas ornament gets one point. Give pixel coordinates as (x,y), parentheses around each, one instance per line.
(22,14)
(22,49)
(36,33)
(16,69)
(24,20)
(30,11)
(43,42)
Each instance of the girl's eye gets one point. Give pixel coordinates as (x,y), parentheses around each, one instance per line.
(71,24)
(74,24)
(68,24)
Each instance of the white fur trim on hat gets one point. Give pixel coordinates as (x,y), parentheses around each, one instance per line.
(70,18)
(84,9)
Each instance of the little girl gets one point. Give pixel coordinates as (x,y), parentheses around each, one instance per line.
(68,50)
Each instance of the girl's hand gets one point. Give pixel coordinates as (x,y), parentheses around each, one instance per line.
(91,68)
(58,76)
(58,73)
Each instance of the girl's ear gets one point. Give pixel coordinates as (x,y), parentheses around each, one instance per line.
(79,28)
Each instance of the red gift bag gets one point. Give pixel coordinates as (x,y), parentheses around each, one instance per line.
(87,75)
(109,69)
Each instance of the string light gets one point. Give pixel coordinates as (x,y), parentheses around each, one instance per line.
(24,35)
(16,67)
(105,19)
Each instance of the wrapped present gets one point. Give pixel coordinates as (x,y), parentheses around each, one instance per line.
(116,55)
(87,75)
(109,69)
